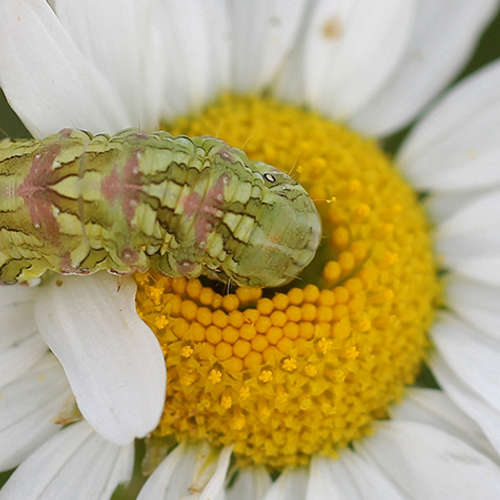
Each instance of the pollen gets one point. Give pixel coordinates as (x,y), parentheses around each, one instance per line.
(285,374)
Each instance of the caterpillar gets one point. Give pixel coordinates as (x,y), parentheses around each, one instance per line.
(76,203)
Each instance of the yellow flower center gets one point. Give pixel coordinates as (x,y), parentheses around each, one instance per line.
(285,374)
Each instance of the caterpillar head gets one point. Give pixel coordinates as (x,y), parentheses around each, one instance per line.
(278,228)
(285,234)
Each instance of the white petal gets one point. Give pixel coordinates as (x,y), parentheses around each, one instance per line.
(428,463)
(472,231)
(251,484)
(455,146)
(112,359)
(369,477)
(435,409)
(76,464)
(348,51)
(481,411)
(262,36)
(330,480)
(467,237)
(475,302)
(171,474)
(290,485)
(17,293)
(28,408)
(484,269)
(45,77)
(444,36)
(441,206)
(192,50)
(117,37)
(349,477)
(191,471)
(21,346)
(476,169)
(214,489)
(471,354)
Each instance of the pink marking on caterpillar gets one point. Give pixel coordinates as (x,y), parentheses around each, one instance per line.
(33,190)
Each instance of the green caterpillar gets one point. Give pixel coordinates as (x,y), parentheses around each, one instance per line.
(76,203)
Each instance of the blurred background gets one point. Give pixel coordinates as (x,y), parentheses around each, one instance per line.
(10,126)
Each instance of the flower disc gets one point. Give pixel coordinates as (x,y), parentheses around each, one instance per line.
(284,374)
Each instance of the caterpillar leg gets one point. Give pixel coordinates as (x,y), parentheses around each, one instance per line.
(168,265)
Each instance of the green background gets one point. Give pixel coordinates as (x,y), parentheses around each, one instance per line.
(11,126)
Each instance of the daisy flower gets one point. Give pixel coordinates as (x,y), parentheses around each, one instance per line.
(283,393)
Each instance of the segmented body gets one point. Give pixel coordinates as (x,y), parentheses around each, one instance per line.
(76,203)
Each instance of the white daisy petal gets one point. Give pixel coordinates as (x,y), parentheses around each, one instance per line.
(436,409)
(17,293)
(28,408)
(125,58)
(348,477)
(429,463)
(171,474)
(349,50)
(290,485)
(251,484)
(485,269)
(476,302)
(21,346)
(444,35)
(194,42)
(455,146)
(194,471)
(76,464)
(470,354)
(68,90)
(442,206)
(330,480)
(486,416)
(368,477)
(112,359)
(472,231)
(214,489)
(475,170)
(262,34)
